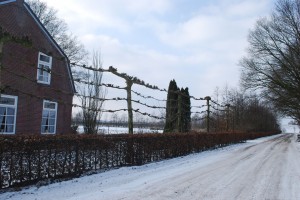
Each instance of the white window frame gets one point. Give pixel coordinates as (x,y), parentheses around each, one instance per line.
(15,106)
(44,73)
(49,110)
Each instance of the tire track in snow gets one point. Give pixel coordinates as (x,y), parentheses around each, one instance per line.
(254,172)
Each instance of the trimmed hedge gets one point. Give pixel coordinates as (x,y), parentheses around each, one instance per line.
(26,160)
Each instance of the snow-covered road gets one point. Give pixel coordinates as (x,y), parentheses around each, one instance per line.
(267,168)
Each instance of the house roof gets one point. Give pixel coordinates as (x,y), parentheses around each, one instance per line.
(6,1)
(46,33)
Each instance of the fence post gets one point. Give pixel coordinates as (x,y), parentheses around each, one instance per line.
(208,112)
(227,116)
(233,121)
(129,106)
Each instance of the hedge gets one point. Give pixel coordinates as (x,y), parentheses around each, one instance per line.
(26,160)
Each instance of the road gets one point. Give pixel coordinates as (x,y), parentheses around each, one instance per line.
(260,169)
(267,170)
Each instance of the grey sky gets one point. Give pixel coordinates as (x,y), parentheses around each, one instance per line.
(196,42)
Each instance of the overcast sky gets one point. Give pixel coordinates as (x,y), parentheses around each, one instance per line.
(196,42)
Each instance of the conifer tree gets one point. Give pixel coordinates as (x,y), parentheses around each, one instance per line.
(171,107)
(186,111)
(178,109)
(180,104)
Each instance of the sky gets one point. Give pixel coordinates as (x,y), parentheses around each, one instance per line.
(196,42)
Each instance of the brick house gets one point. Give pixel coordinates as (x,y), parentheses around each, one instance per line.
(36,83)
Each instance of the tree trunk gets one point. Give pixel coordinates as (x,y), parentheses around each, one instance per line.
(208,112)
(129,106)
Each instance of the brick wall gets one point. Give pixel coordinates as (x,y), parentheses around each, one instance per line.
(15,19)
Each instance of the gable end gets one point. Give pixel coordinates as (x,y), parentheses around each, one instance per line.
(46,34)
(50,38)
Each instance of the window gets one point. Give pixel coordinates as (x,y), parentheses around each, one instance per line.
(44,68)
(8,110)
(49,117)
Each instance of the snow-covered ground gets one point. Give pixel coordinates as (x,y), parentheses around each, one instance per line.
(266,168)
(287,126)
(120,130)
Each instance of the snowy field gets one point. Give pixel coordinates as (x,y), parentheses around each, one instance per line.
(266,168)
(120,130)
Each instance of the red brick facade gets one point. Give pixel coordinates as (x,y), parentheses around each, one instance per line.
(19,65)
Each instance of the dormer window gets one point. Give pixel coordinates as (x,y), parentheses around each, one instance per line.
(44,69)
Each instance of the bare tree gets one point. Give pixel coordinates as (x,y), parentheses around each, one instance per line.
(242,111)
(76,121)
(273,61)
(58,29)
(93,95)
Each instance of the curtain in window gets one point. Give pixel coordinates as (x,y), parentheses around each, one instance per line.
(2,118)
(48,121)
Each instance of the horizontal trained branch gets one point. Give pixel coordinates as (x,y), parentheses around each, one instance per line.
(202,112)
(216,103)
(147,97)
(99,85)
(217,109)
(199,106)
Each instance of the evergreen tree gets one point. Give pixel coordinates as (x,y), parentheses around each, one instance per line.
(171,107)
(178,109)
(186,111)
(180,104)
